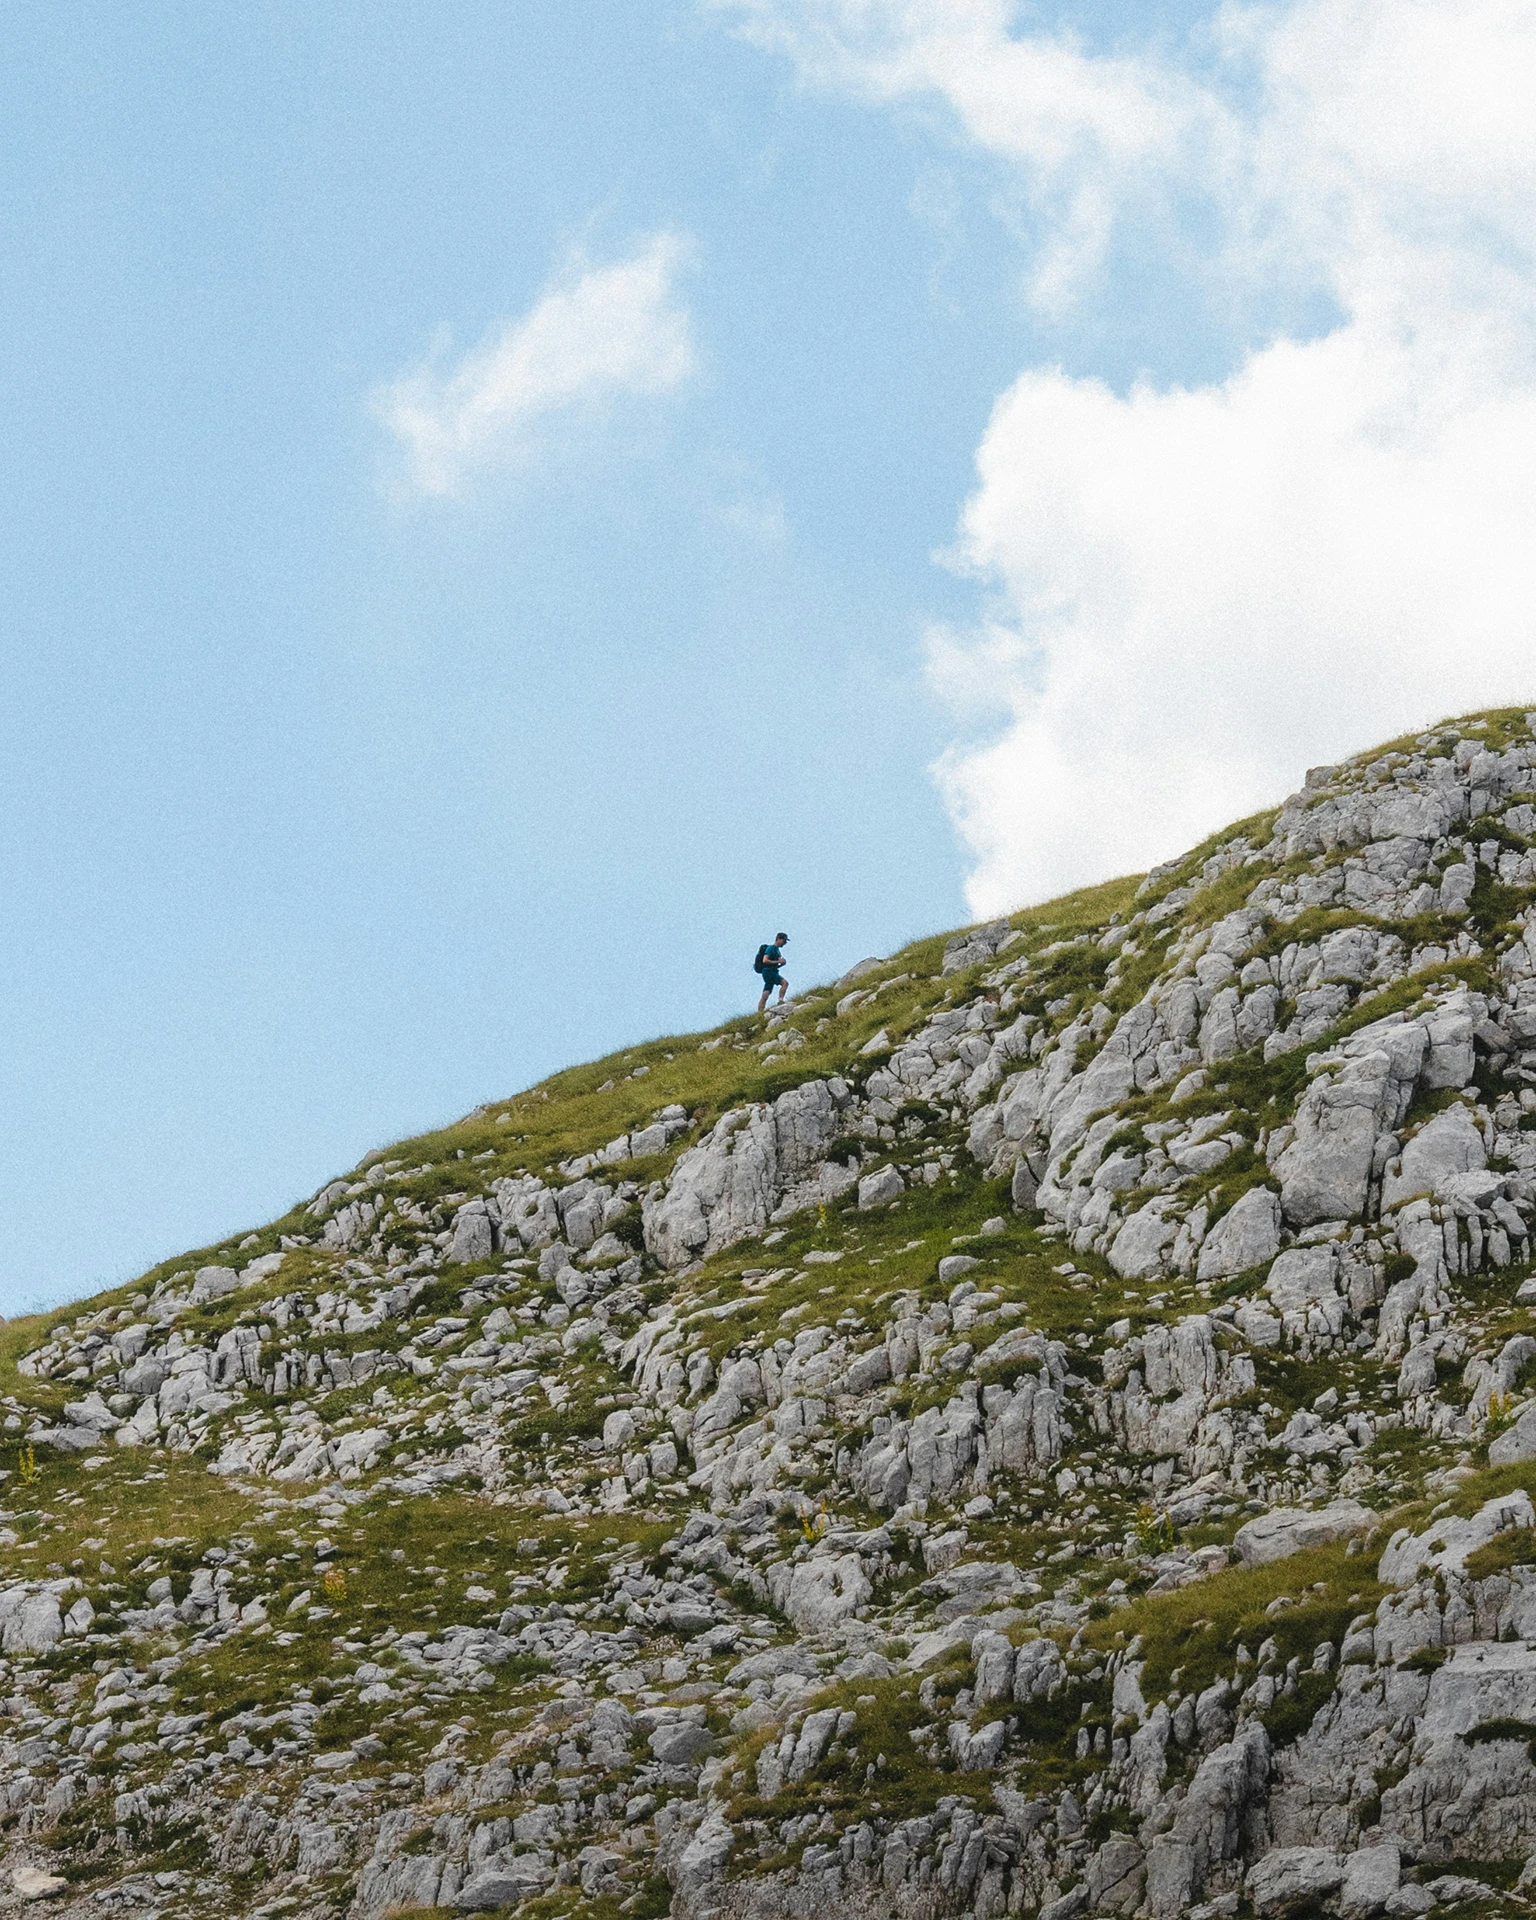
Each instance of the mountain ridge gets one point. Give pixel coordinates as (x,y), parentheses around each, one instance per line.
(1041,1425)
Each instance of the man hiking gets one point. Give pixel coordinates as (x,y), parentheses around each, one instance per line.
(770,957)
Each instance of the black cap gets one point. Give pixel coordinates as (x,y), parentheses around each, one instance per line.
(780,936)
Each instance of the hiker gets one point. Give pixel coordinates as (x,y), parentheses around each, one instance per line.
(770,957)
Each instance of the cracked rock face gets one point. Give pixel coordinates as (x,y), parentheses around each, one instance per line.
(755,1165)
(1046,1425)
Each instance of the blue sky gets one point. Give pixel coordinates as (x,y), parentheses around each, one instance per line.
(343,790)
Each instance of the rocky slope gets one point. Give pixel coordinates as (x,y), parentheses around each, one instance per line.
(1039,1426)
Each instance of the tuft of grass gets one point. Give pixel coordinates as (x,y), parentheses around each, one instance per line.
(1516,1548)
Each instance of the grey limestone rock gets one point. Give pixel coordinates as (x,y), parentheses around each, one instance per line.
(348,1225)
(1141,1247)
(1417,1375)
(876,1189)
(1501,1375)
(993,1656)
(678,1743)
(1325,1169)
(1301,1278)
(30,1621)
(980,943)
(1286,1878)
(754,1164)
(527,1210)
(857,972)
(1371,1877)
(819,1592)
(1038,1670)
(505,1882)
(1456,885)
(1213,1825)
(34,1883)
(1446,1145)
(1288,1530)
(1451,1027)
(1445,1543)
(1461,1798)
(1516,1442)
(213,1283)
(474,1234)
(1246,1236)
(702,1860)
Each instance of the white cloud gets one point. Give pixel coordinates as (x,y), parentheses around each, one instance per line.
(1207,590)
(1068,123)
(594,336)
(1195,592)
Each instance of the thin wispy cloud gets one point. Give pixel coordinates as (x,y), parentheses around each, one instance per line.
(596,336)
(1065,123)
(1192,591)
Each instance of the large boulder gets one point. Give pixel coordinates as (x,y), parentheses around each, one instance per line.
(30,1621)
(1303,1277)
(1482,1681)
(1116,1876)
(1447,1542)
(356,1452)
(1371,1877)
(1220,1818)
(755,1164)
(213,1283)
(1290,1877)
(817,1593)
(1247,1236)
(1515,1443)
(968,949)
(35,1883)
(974,1586)
(1445,1146)
(1325,1169)
(1468,1793)
(1451,1056)
(877,1188)
(504,1882)
(146,1376)
(474,1234)
(1288,1530)
(1418,1375)
(1141,1247)
(702,1861)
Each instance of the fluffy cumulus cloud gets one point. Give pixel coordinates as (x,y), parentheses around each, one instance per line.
(595,336)
(1192,592)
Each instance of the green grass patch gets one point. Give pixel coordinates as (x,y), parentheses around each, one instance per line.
(1197,1630)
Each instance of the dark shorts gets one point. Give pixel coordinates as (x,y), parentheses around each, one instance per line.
(771,978)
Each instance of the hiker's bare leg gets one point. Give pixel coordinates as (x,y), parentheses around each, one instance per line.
(782,991)
(764,1001)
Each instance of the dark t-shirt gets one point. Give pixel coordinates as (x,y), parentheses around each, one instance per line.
(772,957)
